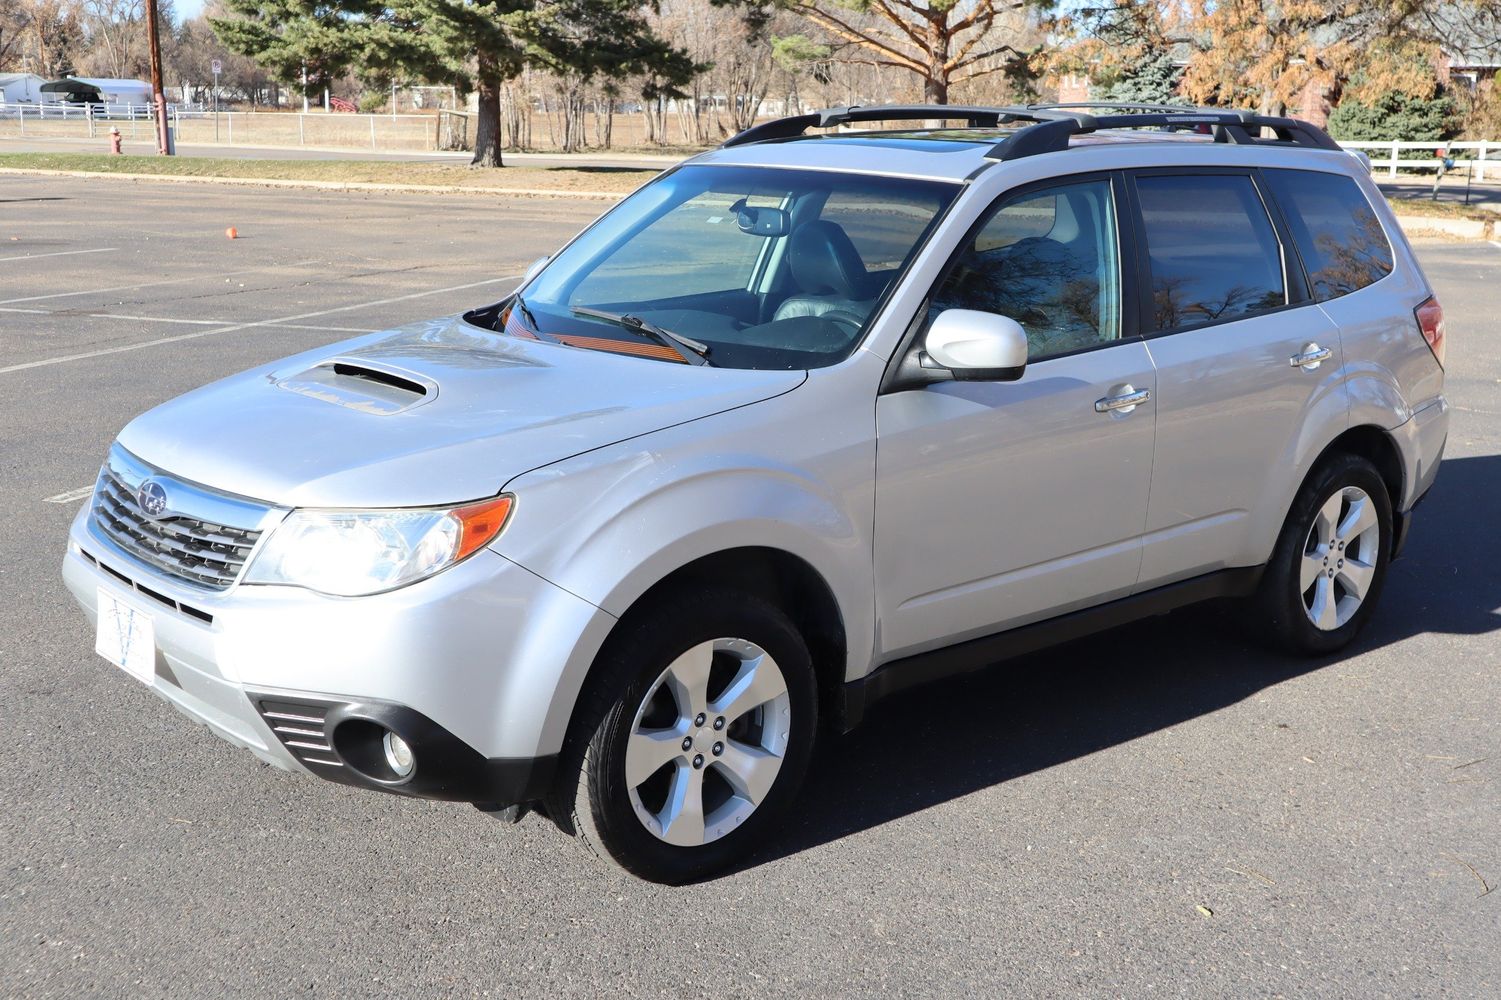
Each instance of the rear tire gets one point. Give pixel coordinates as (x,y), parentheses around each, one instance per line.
(1327,570)
(693,737)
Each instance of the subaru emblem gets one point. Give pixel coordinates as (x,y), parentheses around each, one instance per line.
(152,497)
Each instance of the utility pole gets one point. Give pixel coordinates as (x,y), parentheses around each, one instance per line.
(157,97)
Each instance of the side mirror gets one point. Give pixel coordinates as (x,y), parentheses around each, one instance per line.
(533,268)
(977,346)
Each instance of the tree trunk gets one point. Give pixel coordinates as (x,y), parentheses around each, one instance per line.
(935,88)
(487,138)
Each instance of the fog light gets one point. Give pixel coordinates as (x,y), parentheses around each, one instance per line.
(398,754)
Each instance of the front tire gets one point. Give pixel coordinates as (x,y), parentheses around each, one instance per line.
(1330,562)
(694,737)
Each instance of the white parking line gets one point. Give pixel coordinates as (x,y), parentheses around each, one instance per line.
(278,321)
(70,496)
(57,253)
(69,314)
(150,284)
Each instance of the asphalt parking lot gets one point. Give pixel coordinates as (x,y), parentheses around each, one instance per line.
(1165,810)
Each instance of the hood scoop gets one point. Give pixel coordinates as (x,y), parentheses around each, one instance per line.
(362,385)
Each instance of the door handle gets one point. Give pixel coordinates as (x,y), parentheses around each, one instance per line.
(1128,400)
(1313,355)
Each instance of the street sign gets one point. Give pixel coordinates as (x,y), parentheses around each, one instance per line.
(217,67)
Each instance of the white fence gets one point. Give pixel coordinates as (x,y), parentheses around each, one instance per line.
(58,111)
(424,132)
(192,124)
(1474,156)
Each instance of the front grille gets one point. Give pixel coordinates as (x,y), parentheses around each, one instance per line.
(200,552)
(299,726)
(175,605)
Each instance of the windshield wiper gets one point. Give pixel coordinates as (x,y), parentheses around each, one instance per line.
(526,313)
(520,304)
(692,351)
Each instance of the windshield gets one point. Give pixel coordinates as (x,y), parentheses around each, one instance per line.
(766,268)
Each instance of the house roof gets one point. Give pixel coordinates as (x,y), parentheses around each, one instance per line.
(1470,36)
(111,83)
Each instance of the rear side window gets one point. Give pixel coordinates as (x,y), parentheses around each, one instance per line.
(1212,250)
(1337,233)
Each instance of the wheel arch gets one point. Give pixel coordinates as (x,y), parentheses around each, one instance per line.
(776,575)
(1369,441)
(1374,444)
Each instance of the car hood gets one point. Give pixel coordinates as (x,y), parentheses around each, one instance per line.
(432,413)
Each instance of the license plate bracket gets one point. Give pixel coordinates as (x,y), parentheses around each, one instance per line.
(126,637)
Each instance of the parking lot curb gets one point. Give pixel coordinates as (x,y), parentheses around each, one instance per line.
(327,185)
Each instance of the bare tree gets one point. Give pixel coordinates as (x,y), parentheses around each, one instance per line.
(14,19)
(943,42)
(116,31)
(44,36)
(190,56)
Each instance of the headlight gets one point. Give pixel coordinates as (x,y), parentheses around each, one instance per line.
(355,552)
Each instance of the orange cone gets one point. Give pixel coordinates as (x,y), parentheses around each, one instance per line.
(232,233)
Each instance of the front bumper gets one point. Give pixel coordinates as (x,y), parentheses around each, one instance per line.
(473,667)
(342,741)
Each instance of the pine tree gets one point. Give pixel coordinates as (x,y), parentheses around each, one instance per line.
(1393,116)
(1154,80)
(476,46)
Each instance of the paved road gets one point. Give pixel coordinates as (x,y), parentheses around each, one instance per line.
(1452,190)
(1166,810)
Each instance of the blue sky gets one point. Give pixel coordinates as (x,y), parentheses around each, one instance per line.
(188,8)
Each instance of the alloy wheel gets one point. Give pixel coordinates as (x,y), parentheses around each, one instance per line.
(708,741)
(1339,558)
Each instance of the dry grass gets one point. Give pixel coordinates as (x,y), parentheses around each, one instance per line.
(1443,209)
(613,180)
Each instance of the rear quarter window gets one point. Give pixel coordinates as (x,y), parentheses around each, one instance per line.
(1336,231)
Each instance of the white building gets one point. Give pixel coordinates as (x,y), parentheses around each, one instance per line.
(16,87)
(119,91)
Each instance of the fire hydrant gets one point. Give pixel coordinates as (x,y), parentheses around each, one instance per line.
(114,141)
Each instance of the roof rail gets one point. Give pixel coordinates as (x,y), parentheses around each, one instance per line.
(1053,124)
(796,125)
(1239,127)
(1122,106)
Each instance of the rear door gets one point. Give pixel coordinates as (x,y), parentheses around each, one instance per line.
(1243,356)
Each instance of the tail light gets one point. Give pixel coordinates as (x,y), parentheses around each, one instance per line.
(1431,321)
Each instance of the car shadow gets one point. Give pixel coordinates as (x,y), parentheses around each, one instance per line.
(923,747)
(600,169)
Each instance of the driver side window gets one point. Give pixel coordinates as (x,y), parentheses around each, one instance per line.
(1048,259)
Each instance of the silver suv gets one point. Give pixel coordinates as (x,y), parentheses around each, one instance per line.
(803,422)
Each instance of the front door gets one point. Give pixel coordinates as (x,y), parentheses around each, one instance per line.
(999,503)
